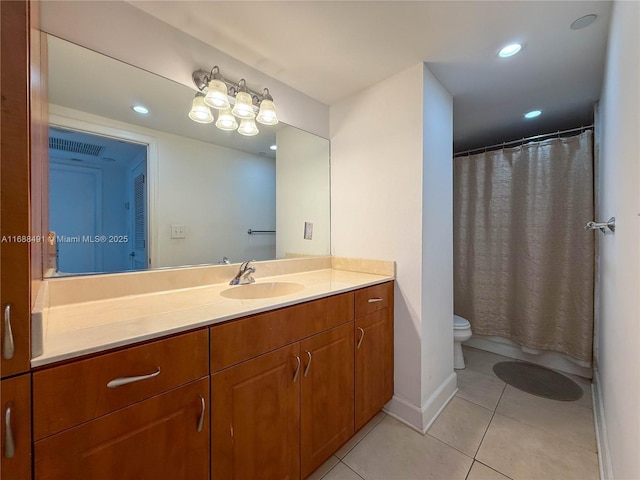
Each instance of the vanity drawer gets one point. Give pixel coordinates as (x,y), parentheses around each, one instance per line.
(374,298)
(74,393)
(240,340)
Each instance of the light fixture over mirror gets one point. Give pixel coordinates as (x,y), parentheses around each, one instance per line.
(218,94)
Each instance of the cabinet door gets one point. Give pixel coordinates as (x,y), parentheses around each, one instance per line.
(374,364)
(255,427)
(77,392)
(14,189)
(16,428)
(326,395)
(163,437)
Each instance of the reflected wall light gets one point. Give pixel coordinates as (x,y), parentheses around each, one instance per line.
(217,92)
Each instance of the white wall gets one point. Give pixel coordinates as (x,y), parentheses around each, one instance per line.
(302,185)
(126,33)
(437,237)
(377,207)
(618,381)
(217,193)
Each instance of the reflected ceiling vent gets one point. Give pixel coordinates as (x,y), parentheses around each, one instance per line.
(74,146)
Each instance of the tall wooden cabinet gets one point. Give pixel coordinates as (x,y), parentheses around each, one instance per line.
(23,165)
(16,427)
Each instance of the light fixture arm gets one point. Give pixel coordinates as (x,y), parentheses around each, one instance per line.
(201,79)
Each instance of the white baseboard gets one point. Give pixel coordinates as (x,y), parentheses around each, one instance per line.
(602,438)
(421,418)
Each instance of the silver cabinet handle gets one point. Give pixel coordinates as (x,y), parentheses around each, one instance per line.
(201,419)
(9,445)
(117,382)
(306,370)
(375,300)
(8,347)
(295,375)
(361,338)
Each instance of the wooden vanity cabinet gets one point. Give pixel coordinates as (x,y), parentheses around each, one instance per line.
(269,396)
(326,393)
(16,428)
(255,418)
(66,395)
(163,437)
(374,351)
(141,413)
(281,414)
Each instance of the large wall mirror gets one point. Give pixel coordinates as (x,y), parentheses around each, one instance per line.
(132,191)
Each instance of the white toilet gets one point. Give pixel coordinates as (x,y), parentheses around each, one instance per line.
(461,333)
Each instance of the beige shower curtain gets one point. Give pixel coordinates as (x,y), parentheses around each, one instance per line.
(523,262)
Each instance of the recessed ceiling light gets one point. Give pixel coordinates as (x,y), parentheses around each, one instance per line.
(533,114)
(509,50)
(140,109)
(583,22)
(273,147)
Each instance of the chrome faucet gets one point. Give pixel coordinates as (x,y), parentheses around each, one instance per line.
(243,277)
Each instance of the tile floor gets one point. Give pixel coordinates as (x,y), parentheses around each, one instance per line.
(489,431)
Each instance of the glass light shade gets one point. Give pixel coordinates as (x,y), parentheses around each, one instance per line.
(244,106)
(267,113)
(247,127)
(200,112)
(226,121)
(217,95)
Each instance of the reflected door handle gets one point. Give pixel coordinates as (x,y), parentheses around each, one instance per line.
(9,445)
(8,346)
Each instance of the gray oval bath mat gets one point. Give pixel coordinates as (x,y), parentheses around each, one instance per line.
(538,380)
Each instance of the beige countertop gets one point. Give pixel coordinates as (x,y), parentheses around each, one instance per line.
(74,329)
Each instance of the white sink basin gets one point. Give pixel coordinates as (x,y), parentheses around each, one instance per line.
(261,290)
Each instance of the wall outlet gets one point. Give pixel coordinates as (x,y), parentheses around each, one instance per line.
(177,231)
(308,230)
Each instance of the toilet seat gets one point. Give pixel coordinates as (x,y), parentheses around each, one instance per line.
(460,323)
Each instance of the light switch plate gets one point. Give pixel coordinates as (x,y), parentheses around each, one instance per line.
(308,230)
(177,231)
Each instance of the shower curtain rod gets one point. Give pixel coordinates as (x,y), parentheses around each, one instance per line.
(521,140)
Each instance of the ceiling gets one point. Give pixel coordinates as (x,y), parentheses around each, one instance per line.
(333,49)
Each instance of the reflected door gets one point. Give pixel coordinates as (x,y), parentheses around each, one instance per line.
(75,213)
(138,217)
